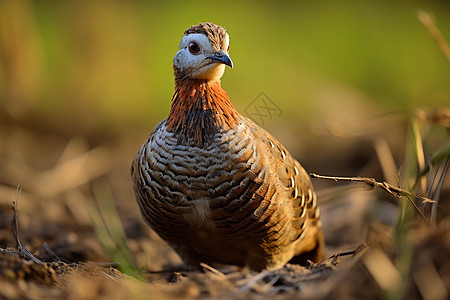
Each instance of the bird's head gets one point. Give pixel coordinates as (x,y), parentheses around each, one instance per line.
(203,52)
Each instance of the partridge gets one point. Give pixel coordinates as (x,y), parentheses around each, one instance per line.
(215,185)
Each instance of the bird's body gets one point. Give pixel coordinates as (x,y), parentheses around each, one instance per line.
(216,186)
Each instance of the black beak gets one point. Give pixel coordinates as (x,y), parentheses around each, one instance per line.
(221,57)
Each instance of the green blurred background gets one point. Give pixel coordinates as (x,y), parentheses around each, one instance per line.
(99,67)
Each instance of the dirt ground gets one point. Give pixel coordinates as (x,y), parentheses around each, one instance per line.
(62,255)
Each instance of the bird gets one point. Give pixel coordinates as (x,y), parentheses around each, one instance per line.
(216,186)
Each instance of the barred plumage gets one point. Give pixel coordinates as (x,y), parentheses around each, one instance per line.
(218,187)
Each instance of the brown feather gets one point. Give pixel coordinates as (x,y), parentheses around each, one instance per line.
(199,109)
(215,33)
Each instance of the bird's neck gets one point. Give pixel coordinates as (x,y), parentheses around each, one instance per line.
(199,109)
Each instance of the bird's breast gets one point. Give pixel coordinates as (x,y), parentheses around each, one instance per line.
(189,180)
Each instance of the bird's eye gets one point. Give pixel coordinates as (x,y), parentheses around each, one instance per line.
(194,47)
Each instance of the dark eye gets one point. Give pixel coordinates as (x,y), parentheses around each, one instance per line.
(194,47)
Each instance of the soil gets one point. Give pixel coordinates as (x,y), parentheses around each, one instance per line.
(60,254)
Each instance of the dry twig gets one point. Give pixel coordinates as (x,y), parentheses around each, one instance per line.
(15,219)
(389,188)
(429,24)
(437,192)
(51,252)
(23,251)
(212,270)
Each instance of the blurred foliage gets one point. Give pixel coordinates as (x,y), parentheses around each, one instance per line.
(110,232)
(106,65)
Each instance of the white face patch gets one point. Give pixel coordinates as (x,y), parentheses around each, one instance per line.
(201,39)
(227,42)
(197,65)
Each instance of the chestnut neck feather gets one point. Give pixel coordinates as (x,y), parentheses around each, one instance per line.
(199,109)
